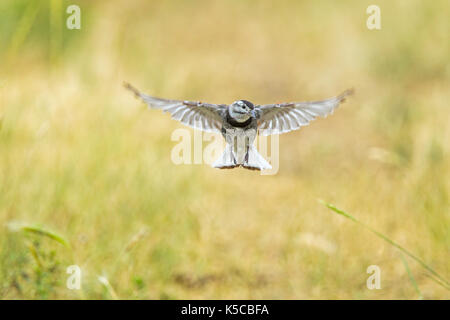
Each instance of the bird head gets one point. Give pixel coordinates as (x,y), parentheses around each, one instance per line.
(242,110)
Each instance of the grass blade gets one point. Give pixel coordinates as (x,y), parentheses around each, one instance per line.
(23,28)
(56,26)
(105,282)
(437,278)
(411,277)
(40,231)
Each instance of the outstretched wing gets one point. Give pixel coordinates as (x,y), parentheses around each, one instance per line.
(198,115)
(285,117)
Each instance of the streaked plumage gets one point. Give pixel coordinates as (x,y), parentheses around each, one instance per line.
(241,121)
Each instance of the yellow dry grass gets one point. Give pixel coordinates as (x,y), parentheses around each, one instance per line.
(81,157)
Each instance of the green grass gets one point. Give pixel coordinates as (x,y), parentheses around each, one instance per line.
(23,28)
(438,278)
(411,277)
(14,226)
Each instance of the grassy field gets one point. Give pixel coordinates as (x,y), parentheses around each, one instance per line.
(80,157)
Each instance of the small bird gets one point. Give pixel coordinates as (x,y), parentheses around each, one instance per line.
(241,121)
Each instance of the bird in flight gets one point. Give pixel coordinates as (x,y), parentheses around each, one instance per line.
(241,121)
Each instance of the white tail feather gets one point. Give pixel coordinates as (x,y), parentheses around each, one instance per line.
(255,160)
(226,160)
(252,161)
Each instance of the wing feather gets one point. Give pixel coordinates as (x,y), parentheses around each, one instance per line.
(285,117)
(198,115)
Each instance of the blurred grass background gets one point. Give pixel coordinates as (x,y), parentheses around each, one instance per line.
(80,156)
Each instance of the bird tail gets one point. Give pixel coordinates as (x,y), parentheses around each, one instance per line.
(255,161)
(226,160)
